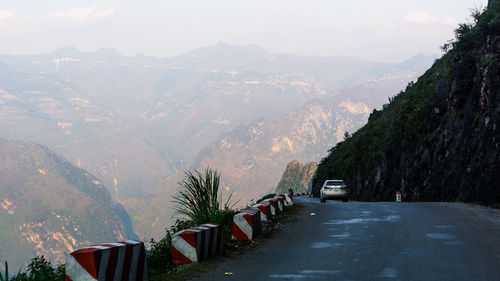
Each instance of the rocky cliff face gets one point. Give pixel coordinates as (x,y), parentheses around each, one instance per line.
(298,177)
(50,207)
(439,140)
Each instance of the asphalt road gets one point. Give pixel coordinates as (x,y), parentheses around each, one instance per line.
(376,241)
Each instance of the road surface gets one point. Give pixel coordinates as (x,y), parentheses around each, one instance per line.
(376,241)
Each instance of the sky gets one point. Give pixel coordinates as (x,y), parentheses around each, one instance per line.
(384,30)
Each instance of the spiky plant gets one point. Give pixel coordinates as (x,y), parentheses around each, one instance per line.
(6,277)
(199,198)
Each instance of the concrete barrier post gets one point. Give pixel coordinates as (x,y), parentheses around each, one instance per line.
(186,246)
(398,196)
(217,242)
(289,199)
(274,206)
(124,260)
(205,241)
(246,225)
(256,220)
(281,203)
(265,210)
(285,201)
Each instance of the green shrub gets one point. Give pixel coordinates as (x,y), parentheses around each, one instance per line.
(40,269)
(270,195)
(159,255)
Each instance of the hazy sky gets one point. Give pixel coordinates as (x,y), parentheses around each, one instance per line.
(385,30)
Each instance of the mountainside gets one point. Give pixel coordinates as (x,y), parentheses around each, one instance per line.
(50,207)
(439,139)
(298,177)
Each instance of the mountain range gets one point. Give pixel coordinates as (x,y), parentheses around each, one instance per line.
(137,123)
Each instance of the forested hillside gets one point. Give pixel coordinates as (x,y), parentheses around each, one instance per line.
(438,140)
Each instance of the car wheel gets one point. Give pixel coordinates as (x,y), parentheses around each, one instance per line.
(345,199)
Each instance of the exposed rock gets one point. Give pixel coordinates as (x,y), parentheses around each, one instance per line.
(298,177)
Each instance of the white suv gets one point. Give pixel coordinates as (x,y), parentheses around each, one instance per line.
(334,189)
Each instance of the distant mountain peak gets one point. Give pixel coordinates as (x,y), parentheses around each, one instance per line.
(67,51)
(221,43)
(225,50)
(102,53)
(107,52)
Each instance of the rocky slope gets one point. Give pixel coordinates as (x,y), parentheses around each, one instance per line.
(439,140)
(50,207)
(298,177)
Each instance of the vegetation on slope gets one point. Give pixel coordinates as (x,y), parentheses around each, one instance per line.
(436,140)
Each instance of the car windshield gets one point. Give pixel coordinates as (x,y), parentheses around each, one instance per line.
(334,183)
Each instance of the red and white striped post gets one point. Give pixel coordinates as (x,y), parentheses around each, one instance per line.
(246,225)
(216,239)
(205,241)
(398,196)
(281,203)
(274,206)
(125,260)
(265,210)
(187,246)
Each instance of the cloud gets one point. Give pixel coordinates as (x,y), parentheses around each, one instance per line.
(83,14)
(422,17)
(5,14)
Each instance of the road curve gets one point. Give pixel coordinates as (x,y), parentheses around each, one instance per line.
(376,241)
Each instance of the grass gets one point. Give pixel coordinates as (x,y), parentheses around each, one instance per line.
(495,206)
(199,199)
(6,276)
